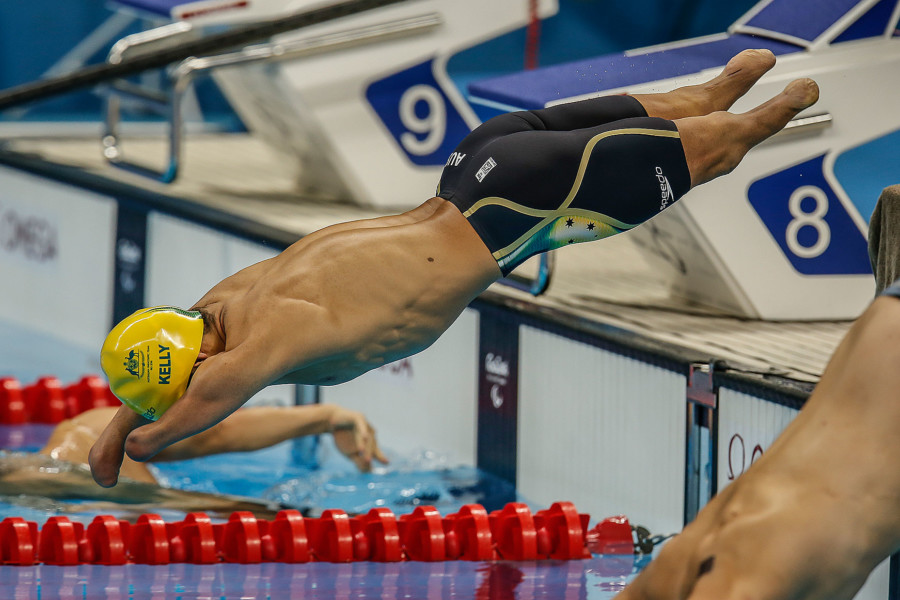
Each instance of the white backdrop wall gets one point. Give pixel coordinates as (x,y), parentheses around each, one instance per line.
(56,258)
(185,260)
(601,430)
(747,427)
(425,402)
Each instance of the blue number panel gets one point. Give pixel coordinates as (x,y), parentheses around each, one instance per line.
(808,221)
(418,114)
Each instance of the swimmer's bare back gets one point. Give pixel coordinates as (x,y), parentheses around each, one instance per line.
(337,303)
(72,439)
(352,297)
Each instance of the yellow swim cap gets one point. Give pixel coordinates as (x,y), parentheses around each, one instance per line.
(148,357)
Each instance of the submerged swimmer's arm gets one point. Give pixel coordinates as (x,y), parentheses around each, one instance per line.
(43,477)
(257,427)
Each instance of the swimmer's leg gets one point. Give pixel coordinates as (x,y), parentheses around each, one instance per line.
(715,144)
(719,93)
(738,76)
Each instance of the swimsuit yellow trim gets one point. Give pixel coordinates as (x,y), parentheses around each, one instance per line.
(551,215)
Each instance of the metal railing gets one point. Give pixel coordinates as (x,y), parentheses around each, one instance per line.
(206,45)
(183,76)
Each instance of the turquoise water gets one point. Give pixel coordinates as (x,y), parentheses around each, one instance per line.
(296,475)
(313,479)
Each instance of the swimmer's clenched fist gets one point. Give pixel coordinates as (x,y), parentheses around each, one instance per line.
(354,296)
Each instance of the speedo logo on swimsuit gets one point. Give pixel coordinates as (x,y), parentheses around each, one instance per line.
(666,195)
(489,164)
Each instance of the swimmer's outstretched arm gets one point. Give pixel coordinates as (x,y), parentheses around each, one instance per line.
(222,383)
(258,427)
(108,452)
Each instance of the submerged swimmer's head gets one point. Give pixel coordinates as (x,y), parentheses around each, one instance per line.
(149,357)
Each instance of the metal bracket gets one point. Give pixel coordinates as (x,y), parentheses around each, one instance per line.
(187,71)
(700,385)
(537,285)
(807,124)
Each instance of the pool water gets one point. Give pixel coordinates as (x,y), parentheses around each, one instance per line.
(599,578)
(309,475)
(312,478)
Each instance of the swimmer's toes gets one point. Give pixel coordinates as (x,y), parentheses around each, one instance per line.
(753,63)
(735,80)
(802,92)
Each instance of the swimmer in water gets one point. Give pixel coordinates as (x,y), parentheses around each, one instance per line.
(59,470)
(812,517)
(31,480)
(354,296)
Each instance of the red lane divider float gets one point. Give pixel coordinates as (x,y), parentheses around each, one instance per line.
(514,533)
(48,401)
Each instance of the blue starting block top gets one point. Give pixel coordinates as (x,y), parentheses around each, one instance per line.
(806,20)
(782,26)
(537,89)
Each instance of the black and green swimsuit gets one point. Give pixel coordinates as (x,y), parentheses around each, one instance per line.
(534,181)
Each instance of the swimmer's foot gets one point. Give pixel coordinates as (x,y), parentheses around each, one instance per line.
(717,94)
(735,80)
(770,117)
(715,144)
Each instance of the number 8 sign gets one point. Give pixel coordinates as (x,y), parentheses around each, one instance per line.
(813,219)
(808,221)
(418,114)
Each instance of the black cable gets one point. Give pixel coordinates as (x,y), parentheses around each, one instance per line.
(94,74)
(644,542)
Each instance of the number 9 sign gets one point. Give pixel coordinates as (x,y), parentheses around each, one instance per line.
(418,114)
(433,124)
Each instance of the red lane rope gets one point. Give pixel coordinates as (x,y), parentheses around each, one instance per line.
(49,401)
(513,533)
